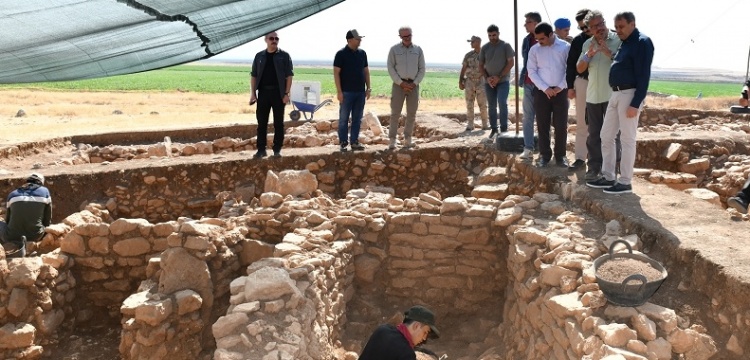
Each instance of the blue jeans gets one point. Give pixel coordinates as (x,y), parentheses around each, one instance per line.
(498,96)
(528,116)
(354,104)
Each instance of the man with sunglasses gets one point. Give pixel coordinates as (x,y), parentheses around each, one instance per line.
(406,67)
(398,342)
(597,60)
(270,81)
(577,84)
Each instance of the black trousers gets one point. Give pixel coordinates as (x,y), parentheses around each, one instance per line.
(551,112)
(744,193)
(270,99)
(595,119)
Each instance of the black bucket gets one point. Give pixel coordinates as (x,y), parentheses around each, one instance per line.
(635,290)
(511,142)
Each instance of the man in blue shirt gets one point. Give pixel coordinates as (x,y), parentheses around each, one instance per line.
(352,77)
(629,77)
(29,212)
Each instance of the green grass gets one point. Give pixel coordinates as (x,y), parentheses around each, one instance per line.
(235,80)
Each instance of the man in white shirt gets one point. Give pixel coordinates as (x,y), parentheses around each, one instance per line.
(546,66)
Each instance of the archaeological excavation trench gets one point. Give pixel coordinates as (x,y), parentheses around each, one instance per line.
(178,245)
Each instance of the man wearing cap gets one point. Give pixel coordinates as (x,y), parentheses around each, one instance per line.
(398,342)
(495,61)
(29,212)
(471,81)
(406,67)
(270,81)
(562,29)
(352,77)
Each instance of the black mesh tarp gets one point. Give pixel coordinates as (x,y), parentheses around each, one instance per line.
(49,40)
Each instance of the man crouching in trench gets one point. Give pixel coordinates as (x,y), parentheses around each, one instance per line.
(399,342)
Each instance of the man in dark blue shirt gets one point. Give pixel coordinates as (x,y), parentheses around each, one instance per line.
(29,212)
(390,342)
(629,77)
(351,74)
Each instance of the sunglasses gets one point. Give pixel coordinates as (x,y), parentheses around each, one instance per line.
(583,28)
(273,38)
(405,36)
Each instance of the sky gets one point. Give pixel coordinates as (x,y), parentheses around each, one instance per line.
(686,34)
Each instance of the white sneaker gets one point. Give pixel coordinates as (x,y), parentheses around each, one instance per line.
(392,145)
(526,154)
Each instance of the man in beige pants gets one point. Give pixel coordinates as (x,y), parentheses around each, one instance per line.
(471,81)
(406,67)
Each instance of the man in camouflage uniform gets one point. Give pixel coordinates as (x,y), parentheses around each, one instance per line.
(471,82)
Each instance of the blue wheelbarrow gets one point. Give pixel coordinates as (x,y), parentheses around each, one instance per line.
(304,108)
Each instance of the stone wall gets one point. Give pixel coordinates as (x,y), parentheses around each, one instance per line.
(37,294)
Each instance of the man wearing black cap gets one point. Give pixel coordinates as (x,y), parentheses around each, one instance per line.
(352,77)
(398,342)
(29,211)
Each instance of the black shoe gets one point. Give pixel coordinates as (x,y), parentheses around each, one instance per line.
(259,155)
(503,130)
(562,162)
(344,145)
(577,165)
(542,162)
(600,183)
(493,133)
(357,146)
(618,188)
(738,204)
(592,174)
(277,153)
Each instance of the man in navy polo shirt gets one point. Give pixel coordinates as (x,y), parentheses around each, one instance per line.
(352,76)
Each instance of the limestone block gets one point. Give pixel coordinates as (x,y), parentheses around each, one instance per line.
(271,199)
(637,347)
(349,221)
(553,207)
(92,262)
(74,244)
(521,252)
(530,235)
(661,348)
(436,242)
(373,124)
(365,267)
(247,308)
(614,312)
(254,250)
(99,245)
(165,229)
(565,305)
(545,197)
(17,336)
(49,321)
(454,204)
(291,182)
(666,318)
(227,324)
(187,301)
(696,166)
(613,353)
(181,271)
(122,226)
(92,229)
(19,301)
(705,194)
(132,247)
(199,243)
(273,307)
(551,275)
(492,175)
(490,191)
(616,335)
(57,229)
(733,345)
(199,228)
(673,151)
(269,283)
(23,272)
(80,218)
(154,312)
(594,299)
(645,328)
(481,210)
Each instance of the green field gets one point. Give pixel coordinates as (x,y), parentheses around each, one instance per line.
(234,80)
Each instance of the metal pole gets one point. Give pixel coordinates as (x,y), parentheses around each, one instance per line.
(747,72)
(515,23)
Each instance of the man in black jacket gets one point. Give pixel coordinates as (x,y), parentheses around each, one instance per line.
(29,212)
(390,342)
(270,81)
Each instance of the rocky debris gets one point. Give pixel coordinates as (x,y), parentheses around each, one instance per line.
(20,113)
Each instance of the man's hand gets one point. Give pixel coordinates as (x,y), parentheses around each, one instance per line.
(340,96)
(253,99)
(631,112)
(367,94)
(461,84)
(743,102)
(571,94)
(285,99)
(550,92)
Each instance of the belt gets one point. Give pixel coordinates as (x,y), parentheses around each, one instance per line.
(269,88)
(408,80)
(622,87)
(582,77)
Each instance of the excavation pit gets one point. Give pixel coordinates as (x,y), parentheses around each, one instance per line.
(192,257)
